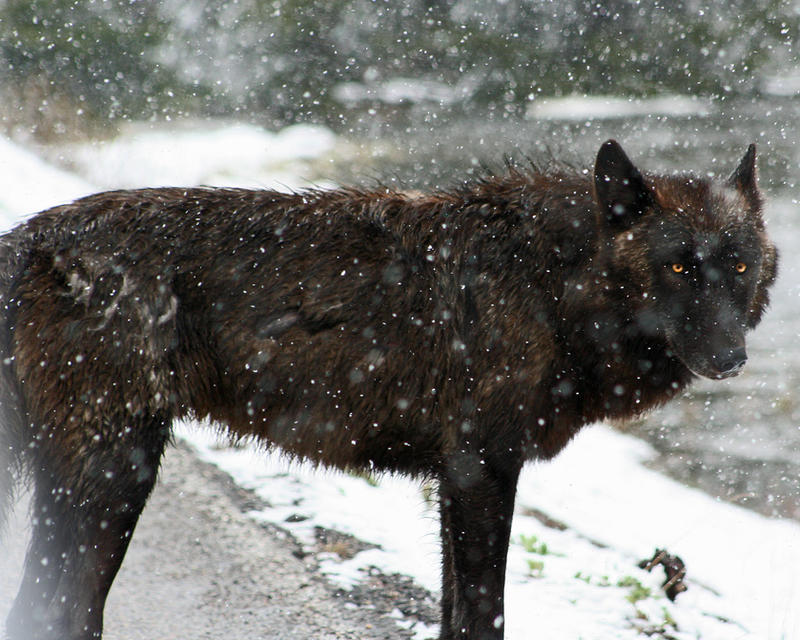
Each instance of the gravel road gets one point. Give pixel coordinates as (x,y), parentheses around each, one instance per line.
(198,567)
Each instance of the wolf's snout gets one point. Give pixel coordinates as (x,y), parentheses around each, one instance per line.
(730,361)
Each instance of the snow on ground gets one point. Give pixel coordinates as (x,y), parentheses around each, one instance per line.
(580,107)
(232,155)
(29,184)
(578,580)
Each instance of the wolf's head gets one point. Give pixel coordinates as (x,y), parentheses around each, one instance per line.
(694,253)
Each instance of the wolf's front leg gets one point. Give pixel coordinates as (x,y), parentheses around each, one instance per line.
(476,506)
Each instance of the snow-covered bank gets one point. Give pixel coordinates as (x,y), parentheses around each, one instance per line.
(561,584)
(579,582)
(580,107)
(600,486)
(29,184)
(232,155)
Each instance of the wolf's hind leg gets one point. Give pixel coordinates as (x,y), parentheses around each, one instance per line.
(85,506)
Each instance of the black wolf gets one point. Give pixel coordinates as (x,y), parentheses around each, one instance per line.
(453,336)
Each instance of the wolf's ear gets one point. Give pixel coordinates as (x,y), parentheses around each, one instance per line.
(744,178)
(619,187)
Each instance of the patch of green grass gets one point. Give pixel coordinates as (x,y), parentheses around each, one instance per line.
(602,581)
(535,568)
(663,630)
(637,590)
(669,621)
(531,544)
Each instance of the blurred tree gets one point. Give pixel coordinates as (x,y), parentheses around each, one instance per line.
(282,61)
(93,57)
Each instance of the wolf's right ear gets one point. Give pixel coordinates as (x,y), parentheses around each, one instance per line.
(620,191)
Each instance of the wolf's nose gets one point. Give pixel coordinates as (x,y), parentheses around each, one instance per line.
(731,360)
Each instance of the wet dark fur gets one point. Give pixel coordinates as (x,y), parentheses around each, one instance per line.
(453,335)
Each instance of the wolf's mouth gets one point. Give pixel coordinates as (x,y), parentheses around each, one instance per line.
(725,363)
(730,373)
(726,369)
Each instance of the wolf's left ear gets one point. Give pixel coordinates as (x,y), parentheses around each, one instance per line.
(619,188)
(744,178)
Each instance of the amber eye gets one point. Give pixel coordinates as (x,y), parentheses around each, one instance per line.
(741,267)
(678,267)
